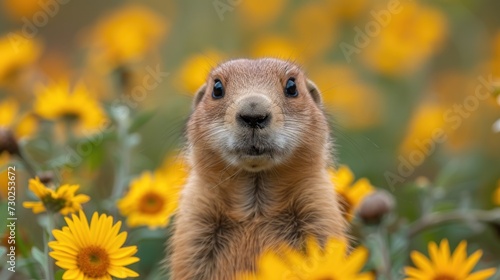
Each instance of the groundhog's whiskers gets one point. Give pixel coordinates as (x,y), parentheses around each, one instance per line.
(228,178)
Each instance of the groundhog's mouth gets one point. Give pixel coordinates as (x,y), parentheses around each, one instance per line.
(254,151)
(255,157)
(257,151)
(255,145)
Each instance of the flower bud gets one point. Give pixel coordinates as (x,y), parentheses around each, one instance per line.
(8,142)
(375,206)
(46,177)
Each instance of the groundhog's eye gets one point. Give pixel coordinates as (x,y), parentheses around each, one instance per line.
(291,88)
(218,90)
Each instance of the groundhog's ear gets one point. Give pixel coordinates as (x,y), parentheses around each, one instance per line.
(314,91)
(199,95)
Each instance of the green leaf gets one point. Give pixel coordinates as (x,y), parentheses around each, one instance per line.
(140,120)
(39,257)
(96,157)
(59,274)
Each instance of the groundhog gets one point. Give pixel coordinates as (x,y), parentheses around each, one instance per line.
(258,146)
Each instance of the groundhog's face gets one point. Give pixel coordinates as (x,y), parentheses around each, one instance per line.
(256,113)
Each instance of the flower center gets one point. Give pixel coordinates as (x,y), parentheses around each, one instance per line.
(444,277)
(53,204)
(70,116)
(151,203)
(93,261)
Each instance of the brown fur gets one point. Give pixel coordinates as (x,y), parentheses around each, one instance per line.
(229,213)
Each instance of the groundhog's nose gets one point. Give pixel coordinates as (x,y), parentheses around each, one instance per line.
(254,112)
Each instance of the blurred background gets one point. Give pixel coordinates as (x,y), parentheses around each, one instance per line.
(411,88)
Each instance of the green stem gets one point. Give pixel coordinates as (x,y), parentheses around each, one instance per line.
(28,165)
(123,159)
(70,135)
(26,253)
(381,236)
(436,219)
(49,272)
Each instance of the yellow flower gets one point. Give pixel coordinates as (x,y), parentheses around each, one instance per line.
(496,196)
(495,63)
(4,158)
(259,13)
(313,23)
(127,35)
(444,265)
(16,53)
(56,102)
(194,71)
(272,266)
(62,200)
(276,46)
(19,9)
(92,251)
(8,111)
(422,128)
(355,104)
(350,195)
(332,262)
(22,125)
(348,10)
(153,198)
(440,113)
(408,40)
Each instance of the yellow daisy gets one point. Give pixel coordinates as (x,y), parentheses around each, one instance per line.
(332,262)
(17,10)
(153,198)
(427,118)
(348,10)
(271,266)
(344,93)
(62,200)
(444,265)
(496,196)
(193,73)
(393,52)
(276,46)
(22,125)
(495,59)
(259,13)
(350,195)
(16,54)
(127,35)
(56,102)
(313,22)
(92,251)
(8,111)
